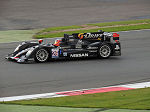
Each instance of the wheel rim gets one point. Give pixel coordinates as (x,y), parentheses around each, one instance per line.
(105,51)
(42,55)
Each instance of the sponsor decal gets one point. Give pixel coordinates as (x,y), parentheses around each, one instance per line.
(117,51)
(93,51)
(117,47)
(99,39)
(79,55)
(65,54)
(70,36)
(79,44)
(55,53)
(89,36)
(64,49)
(71,40)
(92,48)
(81,35)
(74,49)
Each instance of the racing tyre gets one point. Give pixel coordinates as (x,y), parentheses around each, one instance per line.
(104,51)
(41,55)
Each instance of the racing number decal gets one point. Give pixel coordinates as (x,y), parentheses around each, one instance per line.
(55,53)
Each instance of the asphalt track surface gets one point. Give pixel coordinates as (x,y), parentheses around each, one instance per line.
(24,79)
(31,14)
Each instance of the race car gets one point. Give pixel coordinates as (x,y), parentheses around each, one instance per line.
(77,45)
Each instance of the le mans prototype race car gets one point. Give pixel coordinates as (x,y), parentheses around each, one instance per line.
(78,45)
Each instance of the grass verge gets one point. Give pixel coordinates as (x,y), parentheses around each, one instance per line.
(60,28)
(121,23)
(131,99)
(25,108)
(16,35)
(24,35)
(108,27)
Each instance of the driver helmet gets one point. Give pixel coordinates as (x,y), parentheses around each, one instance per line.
(57,42)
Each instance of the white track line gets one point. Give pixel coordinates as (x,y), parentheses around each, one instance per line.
(34,96)
(52,95)
(137,85)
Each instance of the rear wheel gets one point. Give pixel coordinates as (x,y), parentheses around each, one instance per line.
(41,55)
(104,51)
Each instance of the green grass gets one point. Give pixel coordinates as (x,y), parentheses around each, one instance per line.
(131,99)
(110,29)
(60,28)
(125,26)
(24,35)
(121,23)
(16,35)
(25,108)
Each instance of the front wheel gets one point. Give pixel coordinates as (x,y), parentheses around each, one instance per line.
(104,51)
(41,55)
